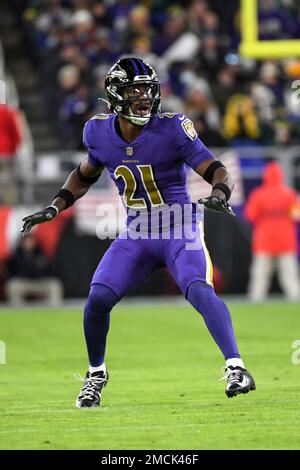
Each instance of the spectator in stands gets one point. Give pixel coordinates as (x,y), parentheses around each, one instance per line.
(197,12)
(101,15)
(173,28)
(31,274)
(240,121)
(199,104)
(139,23)
(224,87)
(75,102)
(10,139)
(270,75)
(170,102)
(291,97)
(272,209)
(210,55)
(82,22)
(102,50)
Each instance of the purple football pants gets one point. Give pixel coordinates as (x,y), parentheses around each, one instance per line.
(129,262)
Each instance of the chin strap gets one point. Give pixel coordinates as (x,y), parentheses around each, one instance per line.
(136,120)
(105,101)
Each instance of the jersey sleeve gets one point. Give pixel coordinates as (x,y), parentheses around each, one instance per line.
(88,140)
(192,150)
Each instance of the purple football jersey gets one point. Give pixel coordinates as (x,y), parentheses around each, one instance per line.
(150,171)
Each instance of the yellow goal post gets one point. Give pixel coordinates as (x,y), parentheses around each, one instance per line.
(251,46)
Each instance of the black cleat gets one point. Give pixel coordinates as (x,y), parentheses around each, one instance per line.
(238,381)
(90,394)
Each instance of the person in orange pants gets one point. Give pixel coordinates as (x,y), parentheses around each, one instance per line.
(272,208)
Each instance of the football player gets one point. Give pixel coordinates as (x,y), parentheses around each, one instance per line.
(146,154)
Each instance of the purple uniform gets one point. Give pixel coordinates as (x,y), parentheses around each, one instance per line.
(150,173)
(162,228)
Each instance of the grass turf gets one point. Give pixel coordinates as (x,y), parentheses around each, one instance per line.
(164,390)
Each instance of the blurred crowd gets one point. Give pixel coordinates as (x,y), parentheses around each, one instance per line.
(193,45)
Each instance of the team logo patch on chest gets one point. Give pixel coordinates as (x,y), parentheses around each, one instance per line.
(189,129)
(129,151)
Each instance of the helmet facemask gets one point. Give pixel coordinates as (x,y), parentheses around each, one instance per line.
(139,99)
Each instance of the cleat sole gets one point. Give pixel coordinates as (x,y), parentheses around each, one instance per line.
(238,392)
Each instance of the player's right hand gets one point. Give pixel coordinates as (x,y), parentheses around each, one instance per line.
(216,204)
(38,218)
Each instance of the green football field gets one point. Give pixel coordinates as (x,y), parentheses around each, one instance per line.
(164,390)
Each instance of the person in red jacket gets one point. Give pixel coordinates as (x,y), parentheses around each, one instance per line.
(10,139)
(272,209)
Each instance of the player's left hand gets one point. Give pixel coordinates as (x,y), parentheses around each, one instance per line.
(215,203)
(38,218)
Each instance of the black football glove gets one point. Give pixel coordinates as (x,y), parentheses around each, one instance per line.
(38,218)
(216,204)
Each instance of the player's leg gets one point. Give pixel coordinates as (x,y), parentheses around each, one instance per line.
(123,267)
(192,270)
(288,275)
(261,271)
(97,309)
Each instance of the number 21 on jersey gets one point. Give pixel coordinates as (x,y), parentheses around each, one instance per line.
(149,184)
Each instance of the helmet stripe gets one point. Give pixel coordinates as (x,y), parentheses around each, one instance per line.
(143,67)
(136,69)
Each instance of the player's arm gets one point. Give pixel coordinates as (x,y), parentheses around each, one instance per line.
(196,155)
(215,173)
(76,186)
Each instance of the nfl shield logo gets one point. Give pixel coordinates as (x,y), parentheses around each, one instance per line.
(129,151)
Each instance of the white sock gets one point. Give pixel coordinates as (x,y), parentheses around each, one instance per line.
(235,362)
(101,368)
